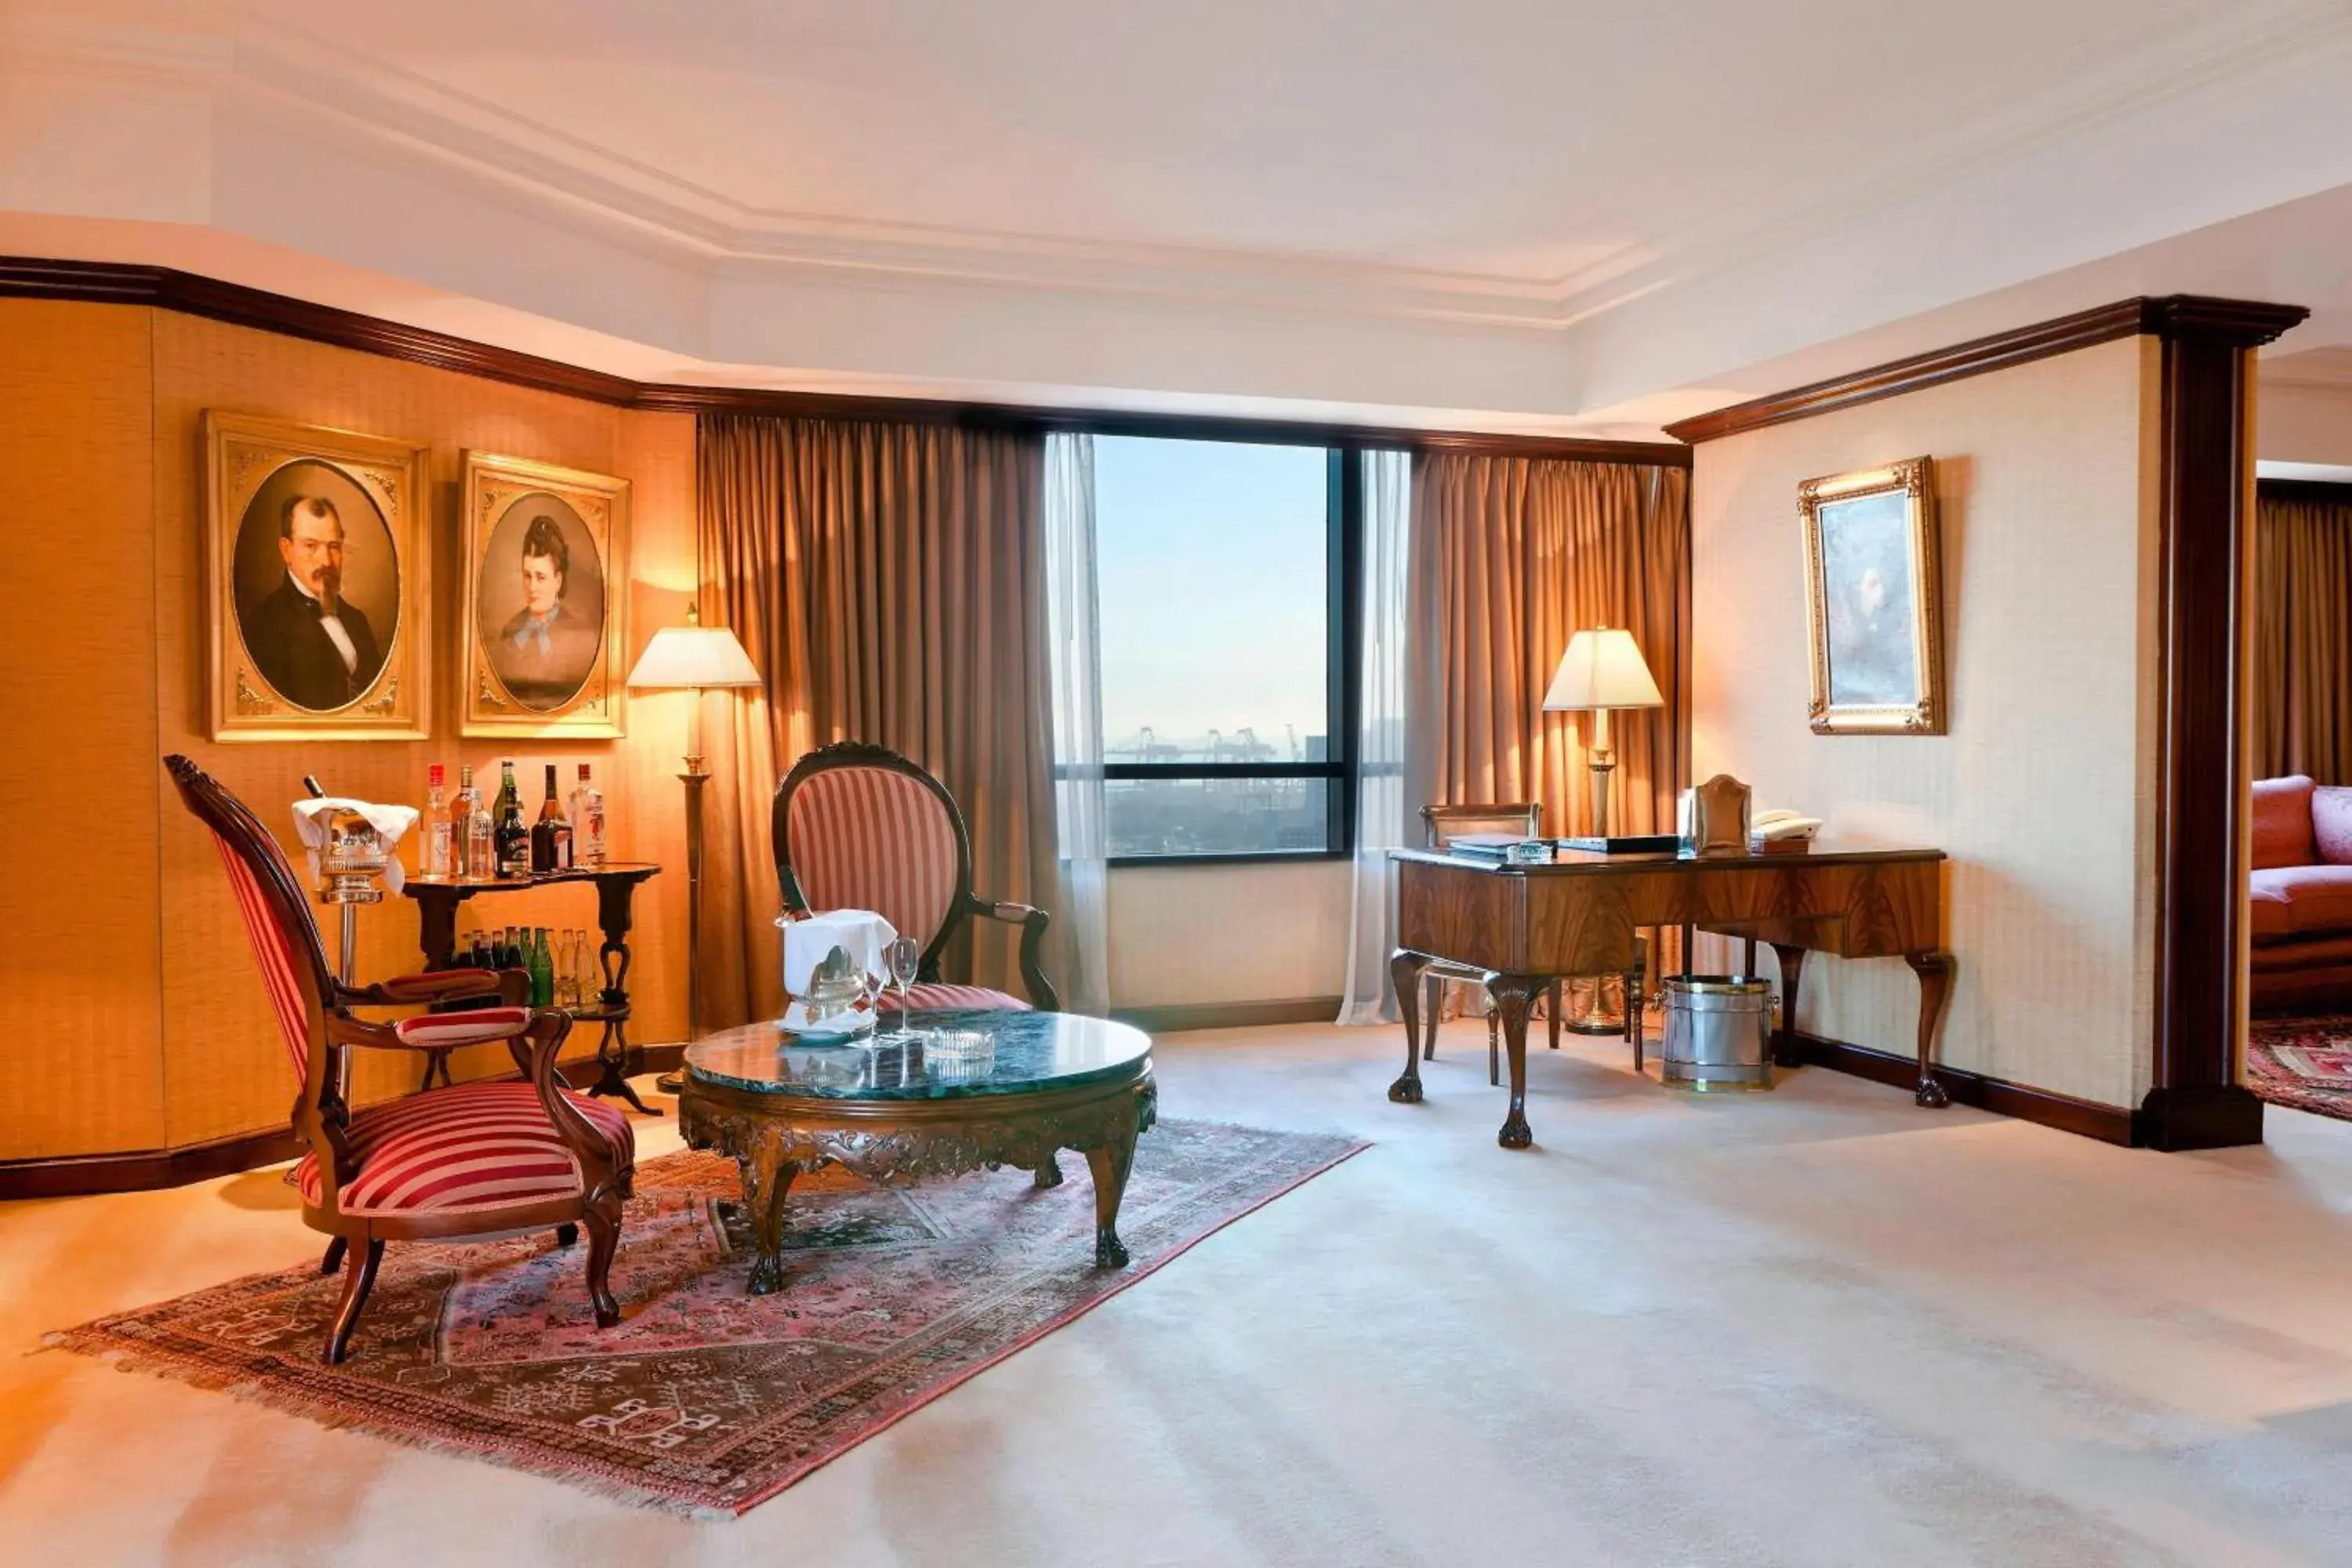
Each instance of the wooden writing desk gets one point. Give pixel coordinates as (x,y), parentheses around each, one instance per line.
(1525,925)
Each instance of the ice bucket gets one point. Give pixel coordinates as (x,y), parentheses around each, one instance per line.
(1718,1032)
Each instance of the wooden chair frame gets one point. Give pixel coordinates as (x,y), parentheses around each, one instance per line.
(962,906)
(1437,826)
(323,1116)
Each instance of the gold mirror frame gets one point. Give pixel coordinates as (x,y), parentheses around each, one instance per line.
(485,705)
(1915,479)
(240,454)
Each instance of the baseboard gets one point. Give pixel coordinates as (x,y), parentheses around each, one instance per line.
(2107,1123)
(143,1170)
(1229,1015)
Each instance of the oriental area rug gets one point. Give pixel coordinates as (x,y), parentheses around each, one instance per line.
(2303,1063)
(706,1399)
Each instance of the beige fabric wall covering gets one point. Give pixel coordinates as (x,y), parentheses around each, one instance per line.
(2045,483)
(1518,555)
(2303,639)
(889,582)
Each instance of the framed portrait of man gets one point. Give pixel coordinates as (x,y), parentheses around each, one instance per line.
(1874,601)
(316,566)
(546,564)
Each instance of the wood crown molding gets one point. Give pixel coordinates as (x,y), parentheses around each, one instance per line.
(164,288)
(2174,317)
(2311,492)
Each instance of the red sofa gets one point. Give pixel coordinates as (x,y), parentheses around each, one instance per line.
(2301,897)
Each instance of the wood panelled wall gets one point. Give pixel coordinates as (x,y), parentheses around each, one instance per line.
(132,1017)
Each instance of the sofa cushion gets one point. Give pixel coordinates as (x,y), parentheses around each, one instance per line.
(2283,822)
(2331,823)
(2301,901)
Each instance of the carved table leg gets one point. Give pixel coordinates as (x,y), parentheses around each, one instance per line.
(1936,969)
(1792,970)
(1110,1166)
(767,1176)
(1404,973)
(1049,1170)
(1513,994)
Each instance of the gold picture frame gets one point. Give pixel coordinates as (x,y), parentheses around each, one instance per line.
(544,623)
(318,582)
(1873,601)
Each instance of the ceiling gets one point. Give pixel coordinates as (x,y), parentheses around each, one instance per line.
(1506,213)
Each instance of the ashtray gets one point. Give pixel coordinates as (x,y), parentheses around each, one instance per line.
(959,1053)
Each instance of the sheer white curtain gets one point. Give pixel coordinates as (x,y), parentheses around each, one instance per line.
(1384,810)
(1082,919)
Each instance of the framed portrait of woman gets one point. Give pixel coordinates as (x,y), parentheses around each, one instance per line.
(1874,601)
(543,634)
(317,582)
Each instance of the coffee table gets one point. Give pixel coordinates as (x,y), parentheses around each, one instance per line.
(897,1112)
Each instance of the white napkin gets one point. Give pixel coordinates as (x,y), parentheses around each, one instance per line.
(391,823)
(807,944)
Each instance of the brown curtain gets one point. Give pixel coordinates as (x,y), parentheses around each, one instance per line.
(1517,555)
(2303,638)
(888,580)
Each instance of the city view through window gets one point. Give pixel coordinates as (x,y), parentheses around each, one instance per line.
(1213,573)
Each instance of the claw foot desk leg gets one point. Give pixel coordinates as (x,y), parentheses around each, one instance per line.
(1792,971)
(1936,969)
(1404,974)
(1514,995)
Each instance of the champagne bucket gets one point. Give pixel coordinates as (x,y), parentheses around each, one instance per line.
(1718,1032)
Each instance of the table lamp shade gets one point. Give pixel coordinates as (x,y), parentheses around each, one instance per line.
(1602,669)
(697,657)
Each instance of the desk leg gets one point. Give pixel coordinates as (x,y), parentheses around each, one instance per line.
(1936,969)
(1792,971)
(1404,973)
(1514,995)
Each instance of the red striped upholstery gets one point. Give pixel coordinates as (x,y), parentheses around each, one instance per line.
(273,950)
(937,997)
(867,838)
(438,1031)
(478,1145)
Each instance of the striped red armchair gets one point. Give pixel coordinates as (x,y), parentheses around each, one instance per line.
(861,827)
(476,1158)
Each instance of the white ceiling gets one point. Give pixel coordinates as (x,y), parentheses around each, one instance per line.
(1500,212)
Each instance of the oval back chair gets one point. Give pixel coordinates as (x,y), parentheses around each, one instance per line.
(475,1159)
(861,827)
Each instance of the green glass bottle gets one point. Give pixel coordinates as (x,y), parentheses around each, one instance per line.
(543,970)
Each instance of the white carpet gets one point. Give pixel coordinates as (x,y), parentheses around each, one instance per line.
(1814,1327)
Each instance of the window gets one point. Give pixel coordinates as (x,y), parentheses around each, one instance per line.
(1224,724)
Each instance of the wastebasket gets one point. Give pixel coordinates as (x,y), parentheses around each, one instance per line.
(1718,1032)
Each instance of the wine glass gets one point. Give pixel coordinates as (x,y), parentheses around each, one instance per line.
(905,957)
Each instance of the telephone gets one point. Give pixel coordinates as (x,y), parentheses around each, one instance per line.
(1783,827)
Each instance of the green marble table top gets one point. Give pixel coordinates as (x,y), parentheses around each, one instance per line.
(1024,1053)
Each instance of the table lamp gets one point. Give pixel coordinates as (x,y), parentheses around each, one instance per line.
(693,657)
(1601,671)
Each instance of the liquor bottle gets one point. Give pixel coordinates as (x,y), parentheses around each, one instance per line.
(542,968)
(475,850)
(511,834)
(440,843)
(587,811)
(551,836)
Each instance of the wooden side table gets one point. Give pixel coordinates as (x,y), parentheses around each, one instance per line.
(437,898)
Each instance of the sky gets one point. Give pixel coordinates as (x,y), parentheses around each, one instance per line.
(1210,565)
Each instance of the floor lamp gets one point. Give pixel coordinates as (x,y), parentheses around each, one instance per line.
(693,657)
(1602,671)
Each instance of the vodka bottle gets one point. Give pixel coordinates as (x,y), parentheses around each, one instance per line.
(587,812)
(440,841)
